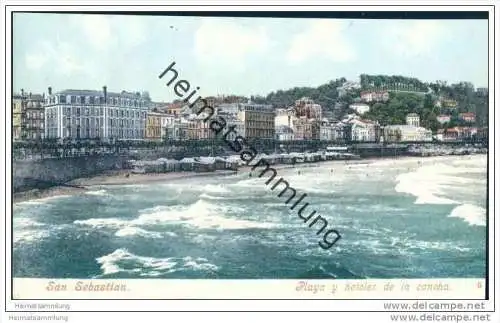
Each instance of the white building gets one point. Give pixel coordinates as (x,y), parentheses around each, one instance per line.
(360,108)
(228,108)
(239,127)
(363,130)
(347,86)
(84,114)
(327,130)
(341,130)
(284,133)
(397,133)
(413,119)
(285,117)
(176,129)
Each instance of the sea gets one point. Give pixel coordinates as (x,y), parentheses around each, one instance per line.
(398,218)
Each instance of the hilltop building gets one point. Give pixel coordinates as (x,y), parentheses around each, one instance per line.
(360,108)
(413,119)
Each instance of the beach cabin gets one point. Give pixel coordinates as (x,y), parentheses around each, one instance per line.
(287,158)
(337,149)
(272,159)
(138,167)
(171,165)
(204,164)
(187,164)
(221,163)
(236,159)
(226,163)
(298,158)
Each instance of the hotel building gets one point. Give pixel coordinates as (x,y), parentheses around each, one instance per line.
(155,125)
(257,119)
(28,120)
(84,114)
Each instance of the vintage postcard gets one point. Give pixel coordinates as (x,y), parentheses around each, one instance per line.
(212,154)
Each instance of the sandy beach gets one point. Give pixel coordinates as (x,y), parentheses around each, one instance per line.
(126,177)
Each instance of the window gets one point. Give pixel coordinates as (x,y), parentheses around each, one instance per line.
(91,100)
(73,99)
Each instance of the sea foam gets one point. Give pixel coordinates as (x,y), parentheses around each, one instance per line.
(472,214)
(122,260)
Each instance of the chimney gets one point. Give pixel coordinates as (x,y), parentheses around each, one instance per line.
(105,91)
(50,90)
(22,92)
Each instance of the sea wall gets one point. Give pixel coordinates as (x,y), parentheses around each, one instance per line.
(31,174)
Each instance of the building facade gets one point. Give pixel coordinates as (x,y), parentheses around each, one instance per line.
(154,125)
(360,108)
(327,131)
(307,129)
(443,118)
(17,111)
(84,114)
(374,96)
(305,107)
(175,128)
(467,116)
(413,119)
(28,121)
(403,133)
(198,128)
(258,120)
(284,133)
(285,117)
(364,131)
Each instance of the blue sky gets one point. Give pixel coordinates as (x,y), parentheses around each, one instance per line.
(238,55)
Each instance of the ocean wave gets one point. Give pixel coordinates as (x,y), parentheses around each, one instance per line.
(431,184)
(135,231)
(211,197)
(23,222)
(102,222)
(472,214)
(42,201)
(99,192)
(215,188)
(391,245)
(374,207)
(121,260)
(26,236)
(202,215)
(330,270)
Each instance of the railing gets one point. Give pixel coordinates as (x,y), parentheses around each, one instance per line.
(52,149)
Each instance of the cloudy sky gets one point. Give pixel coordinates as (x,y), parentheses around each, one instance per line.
(238,55)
